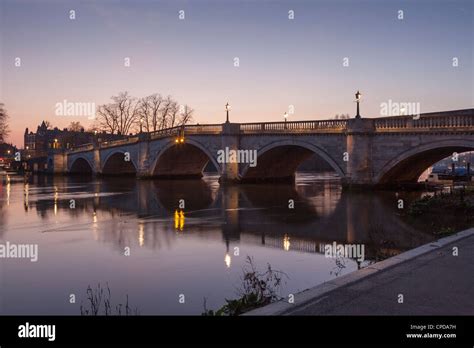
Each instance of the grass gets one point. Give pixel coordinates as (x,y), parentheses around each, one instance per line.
(99,303)
(443,213)
(258,289)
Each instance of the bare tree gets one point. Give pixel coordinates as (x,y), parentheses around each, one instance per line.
(168,105)
(144,114)
(48,124)
(149,112)
(186,115)
(120,116)
(173,114)
(156,101)
(106,119)
(75,126)
(4,129)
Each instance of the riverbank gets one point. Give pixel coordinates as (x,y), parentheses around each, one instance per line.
(431,279)
(443,213)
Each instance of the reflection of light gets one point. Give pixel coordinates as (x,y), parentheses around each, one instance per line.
(26,193)
(94,226)
(227,260)
(8,191)
(56,195)
(286,242)
(141,234)
(178,219)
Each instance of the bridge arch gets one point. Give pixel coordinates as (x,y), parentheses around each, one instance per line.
(410,164)
(80,165)
(269,165)
(115,164)
(186,159)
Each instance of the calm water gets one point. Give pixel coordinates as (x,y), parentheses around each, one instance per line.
(189,252)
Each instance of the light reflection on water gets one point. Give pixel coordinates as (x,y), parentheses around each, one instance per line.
(197,250)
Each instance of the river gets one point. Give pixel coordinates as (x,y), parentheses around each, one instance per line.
(170,244)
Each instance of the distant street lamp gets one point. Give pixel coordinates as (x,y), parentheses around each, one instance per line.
(358,95)
(227,108)
(285,115)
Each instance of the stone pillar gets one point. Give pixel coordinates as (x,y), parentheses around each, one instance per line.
(143,160)
(59,163)
(230,139)
(96,163)
(359,151)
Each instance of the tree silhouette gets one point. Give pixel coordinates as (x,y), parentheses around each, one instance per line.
(4,129)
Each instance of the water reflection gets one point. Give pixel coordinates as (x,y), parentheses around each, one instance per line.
(179,232)
(301,217)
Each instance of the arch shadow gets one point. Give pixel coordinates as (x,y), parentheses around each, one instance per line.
(407,166)
(178,161)
(116,165)
(80,166)
(279,160)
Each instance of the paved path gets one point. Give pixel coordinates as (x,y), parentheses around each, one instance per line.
(431,279)
(435,283)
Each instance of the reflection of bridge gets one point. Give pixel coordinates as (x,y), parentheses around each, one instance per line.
(248,214)
(362,151)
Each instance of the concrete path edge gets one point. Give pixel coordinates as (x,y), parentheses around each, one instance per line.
(311,295)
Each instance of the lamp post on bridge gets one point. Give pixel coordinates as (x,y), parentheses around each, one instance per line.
(285,115)
(358,95)
(227,108)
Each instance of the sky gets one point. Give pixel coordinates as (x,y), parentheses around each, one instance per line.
(282,61)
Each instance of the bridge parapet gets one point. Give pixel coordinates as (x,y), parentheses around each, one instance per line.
(188,129)
(82,148)
(326,126)
(125,141)
(203,129)
(426,122)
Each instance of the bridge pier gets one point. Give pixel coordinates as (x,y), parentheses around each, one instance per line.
(143,165)
(230,138)
(359,168)
(56,163)
(97,167)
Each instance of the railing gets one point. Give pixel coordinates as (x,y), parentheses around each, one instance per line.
(294,126)
(83,147)
(128,140)
(455,120)
(188,129)
(165,132)
(203,129)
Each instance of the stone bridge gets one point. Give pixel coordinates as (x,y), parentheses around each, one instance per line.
(362,151)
